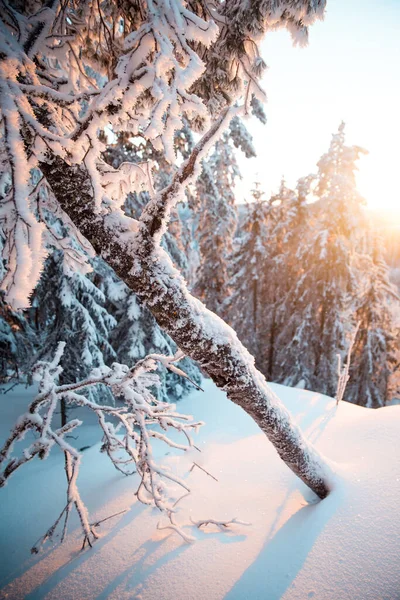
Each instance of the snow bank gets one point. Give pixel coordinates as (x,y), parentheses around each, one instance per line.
(346,547)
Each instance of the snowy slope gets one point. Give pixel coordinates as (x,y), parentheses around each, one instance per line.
(346,547)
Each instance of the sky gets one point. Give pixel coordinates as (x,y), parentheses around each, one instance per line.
(350,71)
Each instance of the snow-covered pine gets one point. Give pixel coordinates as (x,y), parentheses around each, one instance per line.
(374,351)
(314,331)
(263,270)
(57,93)
(17,343)
(70,307)
(245,305)
(217,224)
(215,215)
(275,278)
(287,228)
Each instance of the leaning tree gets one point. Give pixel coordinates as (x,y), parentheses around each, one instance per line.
(68,70)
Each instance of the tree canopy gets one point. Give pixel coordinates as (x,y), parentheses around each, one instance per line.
(68,71)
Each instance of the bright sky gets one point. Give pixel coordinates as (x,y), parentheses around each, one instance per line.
(350,71)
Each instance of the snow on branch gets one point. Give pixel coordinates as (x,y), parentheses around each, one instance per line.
(128,432)
(222,525)
(70,70)
(66,73)
(157,212)
(93,66)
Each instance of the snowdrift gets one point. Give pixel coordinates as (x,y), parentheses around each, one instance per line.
(346,547)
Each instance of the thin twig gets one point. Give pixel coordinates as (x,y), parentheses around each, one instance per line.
(209,474)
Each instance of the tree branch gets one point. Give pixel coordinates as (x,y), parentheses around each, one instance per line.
(147,270)
(156,214)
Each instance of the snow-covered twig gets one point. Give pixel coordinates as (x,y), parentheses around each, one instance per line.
(189,539)
(221,524)
(203,469)
(127,438)
(156,214)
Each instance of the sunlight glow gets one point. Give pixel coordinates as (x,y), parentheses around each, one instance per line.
(357,82)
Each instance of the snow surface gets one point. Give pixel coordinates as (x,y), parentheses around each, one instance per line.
(345,547)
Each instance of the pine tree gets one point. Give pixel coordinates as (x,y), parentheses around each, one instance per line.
(314,332)
(275,273)
(70,307)
(218,214)
(245,305)
(373,355)
(217,224)
(263,266)
(17,342)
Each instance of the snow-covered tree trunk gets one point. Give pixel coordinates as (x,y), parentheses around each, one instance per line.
(144,77)
(147,270)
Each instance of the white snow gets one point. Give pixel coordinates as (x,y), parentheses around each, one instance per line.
(346,547)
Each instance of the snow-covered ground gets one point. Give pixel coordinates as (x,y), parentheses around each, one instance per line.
(346,547)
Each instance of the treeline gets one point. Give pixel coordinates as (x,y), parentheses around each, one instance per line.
(306,269)
(293,274)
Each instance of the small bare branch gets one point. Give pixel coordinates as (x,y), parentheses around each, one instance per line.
(223,525)
(202,468)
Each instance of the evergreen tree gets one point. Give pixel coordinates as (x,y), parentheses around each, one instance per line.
(275,273)
(287,225)
(17,342)
(217,223)
(263,267)
(245,305)
(313,332)
(70,307)
(373,355)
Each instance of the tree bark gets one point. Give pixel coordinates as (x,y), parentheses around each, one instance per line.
(148,272)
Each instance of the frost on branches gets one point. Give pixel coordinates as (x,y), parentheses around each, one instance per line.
(69,71)
(128,430)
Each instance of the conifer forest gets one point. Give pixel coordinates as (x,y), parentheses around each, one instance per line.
(199,299)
